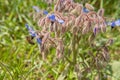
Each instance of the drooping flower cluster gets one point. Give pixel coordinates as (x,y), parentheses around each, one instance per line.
(67,16)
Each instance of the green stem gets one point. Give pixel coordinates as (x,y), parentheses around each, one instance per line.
(101,4)
(74,49)
(68,60)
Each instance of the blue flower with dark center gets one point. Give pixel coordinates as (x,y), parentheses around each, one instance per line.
(45,12)
(31,31)
(52,17)
(113,24)
(85,10)
(36,8)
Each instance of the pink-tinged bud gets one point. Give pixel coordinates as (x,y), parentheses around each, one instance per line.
(103,28)
(89,7)
(105,53)
(91,38)
(73,12)
(67,7)
(51,26)
(87,27)
(63,29)
(75,30)
(109,42)
(85,30)
(55,8)
(41,22)
(46,36)
(79,9)
(96,29)
(47,20)
(55,27)
(70,25)
(77,21)
(100,12)
(59,49)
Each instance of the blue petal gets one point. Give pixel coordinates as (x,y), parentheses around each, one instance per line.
(113,24)
(33,34)
(95,30)
(85,10)
(27,26)
(108,23)
(45,12)
(31,31)
(52,17)
(61,21)
(39,40)
(36,8)
(117,22)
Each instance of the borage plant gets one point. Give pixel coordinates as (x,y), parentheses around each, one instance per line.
(72,30)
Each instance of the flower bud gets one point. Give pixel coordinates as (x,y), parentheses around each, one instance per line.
(100,12)
(89,7)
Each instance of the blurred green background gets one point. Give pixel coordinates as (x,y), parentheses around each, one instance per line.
(21,61)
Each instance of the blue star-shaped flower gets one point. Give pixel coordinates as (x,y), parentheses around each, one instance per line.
(52,17)
(85,10)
